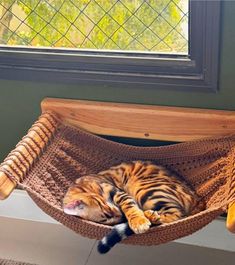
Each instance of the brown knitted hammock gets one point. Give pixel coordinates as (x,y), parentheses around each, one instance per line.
(57,154)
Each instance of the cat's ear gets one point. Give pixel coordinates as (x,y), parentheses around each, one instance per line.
(77,181)
(74,208)
(80,204)
(75,204)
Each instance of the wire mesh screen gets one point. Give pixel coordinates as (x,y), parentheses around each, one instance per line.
(130,25)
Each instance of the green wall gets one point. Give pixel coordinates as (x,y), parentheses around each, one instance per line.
(20,101)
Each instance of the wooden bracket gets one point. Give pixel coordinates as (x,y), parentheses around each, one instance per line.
(20,160)
(142,121)
(230,223)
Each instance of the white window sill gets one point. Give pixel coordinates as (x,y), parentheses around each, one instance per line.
(215,235)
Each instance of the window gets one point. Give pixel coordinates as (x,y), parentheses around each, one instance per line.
(165,43)
(154,26)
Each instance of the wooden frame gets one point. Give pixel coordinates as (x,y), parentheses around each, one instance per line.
(127,120)
(142,121)
(195,71)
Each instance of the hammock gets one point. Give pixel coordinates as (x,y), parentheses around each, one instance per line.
(52,155)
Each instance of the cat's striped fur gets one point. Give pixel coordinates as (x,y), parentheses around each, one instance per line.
(140,191)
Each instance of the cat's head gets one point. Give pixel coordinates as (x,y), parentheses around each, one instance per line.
(90,204)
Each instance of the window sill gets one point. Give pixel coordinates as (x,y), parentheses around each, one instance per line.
(215,235)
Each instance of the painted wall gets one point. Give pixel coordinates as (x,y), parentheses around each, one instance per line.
(20,101)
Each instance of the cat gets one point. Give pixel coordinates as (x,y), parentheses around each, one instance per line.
(131,196)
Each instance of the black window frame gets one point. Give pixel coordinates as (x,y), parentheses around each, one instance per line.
(196,72)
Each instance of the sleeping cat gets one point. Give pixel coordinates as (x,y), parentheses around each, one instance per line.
(140,192)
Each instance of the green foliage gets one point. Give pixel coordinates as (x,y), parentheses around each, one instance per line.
(101,24)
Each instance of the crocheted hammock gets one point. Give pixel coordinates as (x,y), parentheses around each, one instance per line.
(57,154)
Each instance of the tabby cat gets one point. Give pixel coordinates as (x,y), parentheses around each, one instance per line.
(138,193)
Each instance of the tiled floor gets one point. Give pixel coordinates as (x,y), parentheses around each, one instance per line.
(53,244)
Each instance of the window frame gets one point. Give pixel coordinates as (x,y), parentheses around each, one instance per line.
(196,72)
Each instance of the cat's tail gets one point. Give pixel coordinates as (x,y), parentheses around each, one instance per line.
(118,233)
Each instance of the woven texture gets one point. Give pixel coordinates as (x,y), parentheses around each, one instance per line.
(207,165)
(12,262)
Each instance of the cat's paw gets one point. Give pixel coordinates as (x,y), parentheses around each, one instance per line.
(139,224)
(153,216)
